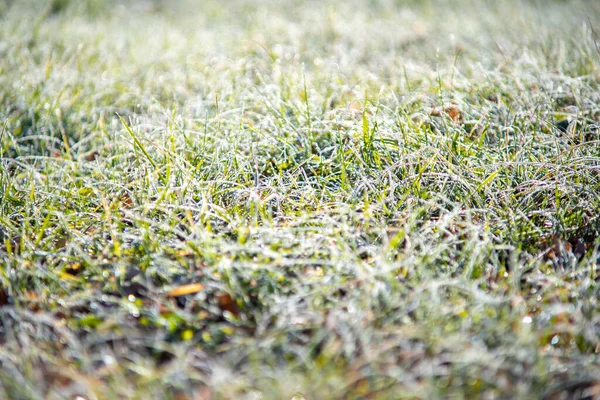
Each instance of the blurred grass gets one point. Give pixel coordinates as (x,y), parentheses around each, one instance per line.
(384,199)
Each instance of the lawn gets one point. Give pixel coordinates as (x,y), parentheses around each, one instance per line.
(246,199)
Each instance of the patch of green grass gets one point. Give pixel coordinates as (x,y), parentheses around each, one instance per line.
(310,199)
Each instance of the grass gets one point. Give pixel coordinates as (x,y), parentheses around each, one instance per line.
(295,200)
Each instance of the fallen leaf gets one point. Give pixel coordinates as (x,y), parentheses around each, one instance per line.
(126,201)
(164,310)
(454,113)
(227,303)
(92,156)
(30,295)
(185,290)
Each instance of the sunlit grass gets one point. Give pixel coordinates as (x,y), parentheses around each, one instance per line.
(279,199)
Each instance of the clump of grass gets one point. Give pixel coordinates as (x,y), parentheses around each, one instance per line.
(320,201)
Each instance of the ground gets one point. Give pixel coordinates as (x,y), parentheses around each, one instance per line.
(299,199)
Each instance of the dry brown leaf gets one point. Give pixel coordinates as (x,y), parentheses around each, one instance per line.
(163,310)
(454,113)
(91,156)
(185,290)
(126,201)
(227,303)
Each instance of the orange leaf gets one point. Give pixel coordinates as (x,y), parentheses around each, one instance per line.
(185,290)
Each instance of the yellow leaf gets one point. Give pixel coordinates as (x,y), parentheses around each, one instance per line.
(185,290)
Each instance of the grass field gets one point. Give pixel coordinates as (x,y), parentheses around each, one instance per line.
(289,199)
